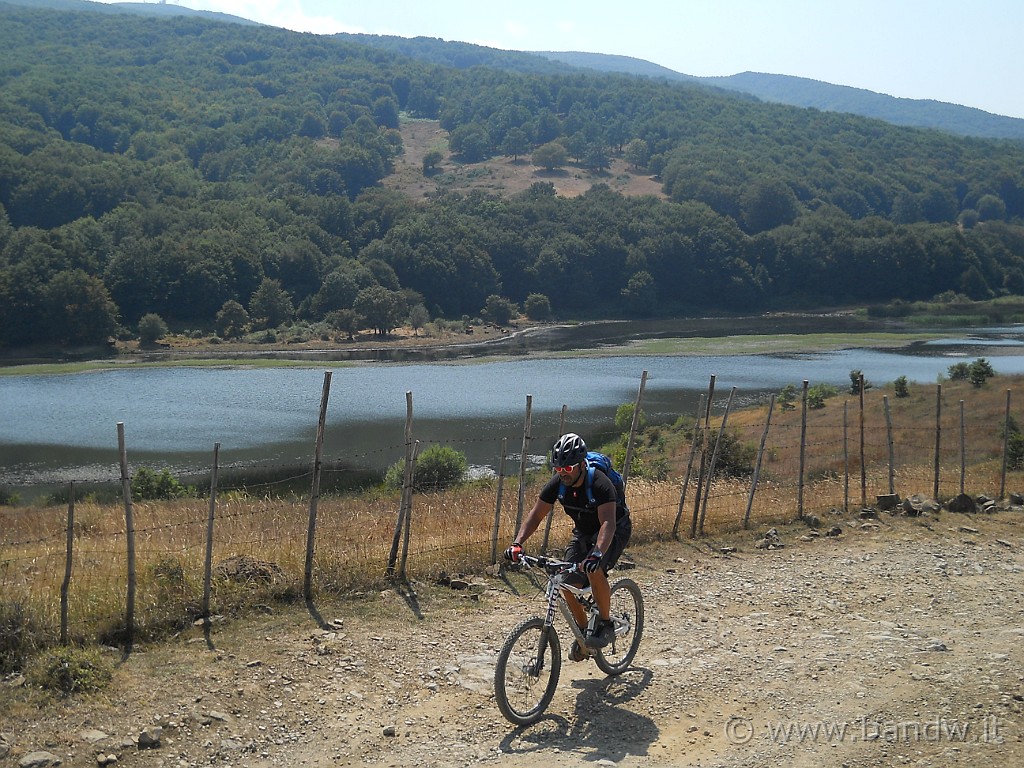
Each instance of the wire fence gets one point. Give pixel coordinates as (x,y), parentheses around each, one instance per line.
(93,572)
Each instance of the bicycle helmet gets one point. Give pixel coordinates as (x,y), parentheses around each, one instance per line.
(569,449)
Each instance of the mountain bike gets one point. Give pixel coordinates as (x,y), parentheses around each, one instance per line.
(530,661)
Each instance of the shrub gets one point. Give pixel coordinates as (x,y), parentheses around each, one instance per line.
(959,372)
(900,385)
(151,328)
(8,498)
(980,371)
(537,306)
(817,395)
(18,636)
(70,670)
(438,467)
(150,485)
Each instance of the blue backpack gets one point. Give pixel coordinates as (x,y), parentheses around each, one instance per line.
(596,460)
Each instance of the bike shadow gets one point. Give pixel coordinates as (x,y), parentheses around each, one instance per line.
(601,728)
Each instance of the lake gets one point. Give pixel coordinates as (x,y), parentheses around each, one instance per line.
(55,428)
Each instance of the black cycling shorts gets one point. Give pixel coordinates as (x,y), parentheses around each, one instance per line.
(581,545)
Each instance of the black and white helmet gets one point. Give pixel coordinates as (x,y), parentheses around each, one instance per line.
(568,450)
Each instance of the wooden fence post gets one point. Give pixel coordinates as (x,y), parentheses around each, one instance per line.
(497,503)
(963,448)
(208,564)
(408,511)
(633,427)
(846,457)
(892,453)
(689,467)
(129,524)
(1006,447)
(314,496)
(757,463)
(803,453)
(551,514)
(938,438)
(863,468)
(406,485)
(714,460)
(66,584)
(703,459)
(522,461)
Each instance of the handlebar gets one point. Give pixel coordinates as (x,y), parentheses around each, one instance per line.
(549,564)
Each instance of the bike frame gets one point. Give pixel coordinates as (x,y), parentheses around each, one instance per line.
(556,599)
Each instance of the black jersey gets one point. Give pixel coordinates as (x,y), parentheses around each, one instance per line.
(578,506)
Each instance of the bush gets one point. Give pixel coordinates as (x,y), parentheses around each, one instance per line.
(980,371)
(8,498)
(18,636)
(817,395)
(151,329)
(437,468)
(149,485)
(70,670)
(537,306)
(959,372)
(900,385)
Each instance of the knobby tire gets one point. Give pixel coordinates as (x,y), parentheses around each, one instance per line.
(521,695)
(627,602)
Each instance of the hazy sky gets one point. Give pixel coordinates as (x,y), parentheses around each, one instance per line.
(969,53)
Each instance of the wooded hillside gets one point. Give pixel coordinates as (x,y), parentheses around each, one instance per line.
(227,178)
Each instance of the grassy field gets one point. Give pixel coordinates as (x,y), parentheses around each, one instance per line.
(451,531)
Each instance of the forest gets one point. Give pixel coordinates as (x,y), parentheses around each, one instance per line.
(227,178)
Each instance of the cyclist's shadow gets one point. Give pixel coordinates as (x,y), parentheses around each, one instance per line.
(601,730)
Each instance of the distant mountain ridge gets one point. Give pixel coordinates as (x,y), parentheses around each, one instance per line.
(781,89)
(140,8)
(805,92)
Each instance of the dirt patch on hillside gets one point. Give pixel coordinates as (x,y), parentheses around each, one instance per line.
(897,642)
(500,175)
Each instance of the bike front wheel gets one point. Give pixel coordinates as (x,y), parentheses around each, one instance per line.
(527,672)
(627,612)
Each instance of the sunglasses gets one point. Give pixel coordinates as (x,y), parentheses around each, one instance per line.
(565,470)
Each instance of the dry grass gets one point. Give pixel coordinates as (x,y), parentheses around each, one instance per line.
(452,531)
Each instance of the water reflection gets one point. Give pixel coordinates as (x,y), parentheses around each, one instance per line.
(56,428)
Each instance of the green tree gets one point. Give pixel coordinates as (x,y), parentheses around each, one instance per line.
(980,371)
(418,317)
(550,156)
(959,371)
(901,388)
(637,153)
(232,320)
(345,321)
(152,328)
(499,310)
(78,308)
(270,306)
(641,294)
(516,143)
(380,308)
(430,161)
(537,306)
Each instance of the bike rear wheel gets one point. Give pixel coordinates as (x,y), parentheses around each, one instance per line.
(527,672)
(627,611)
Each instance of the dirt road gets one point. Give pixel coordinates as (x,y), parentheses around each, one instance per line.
(899,642)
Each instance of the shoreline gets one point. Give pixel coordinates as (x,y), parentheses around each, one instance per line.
(534,341)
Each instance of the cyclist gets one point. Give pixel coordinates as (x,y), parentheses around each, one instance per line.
(601,531)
